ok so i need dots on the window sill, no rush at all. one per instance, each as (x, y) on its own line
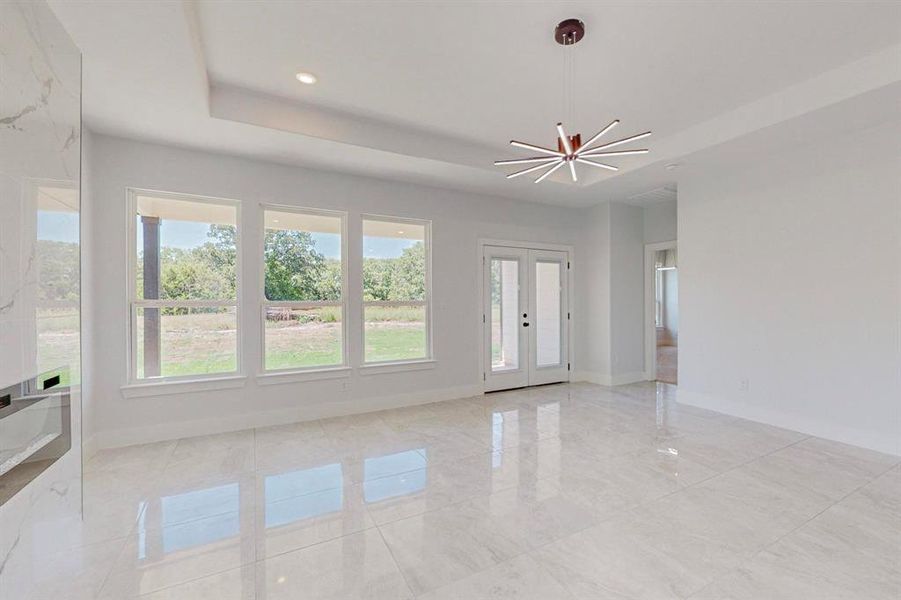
(165, 388)
(279, 377)
(397, 367)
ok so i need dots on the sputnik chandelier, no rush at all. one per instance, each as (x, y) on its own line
(570, 149)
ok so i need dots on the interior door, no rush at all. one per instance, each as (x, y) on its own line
(548, 317)
(526, 317)
(505, 314)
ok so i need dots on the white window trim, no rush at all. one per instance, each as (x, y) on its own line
(272, 376)
(142, 387)
(397, 366)
(372, 367)
(312, 374)
(185, 386)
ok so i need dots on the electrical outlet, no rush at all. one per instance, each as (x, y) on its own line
(744, 385)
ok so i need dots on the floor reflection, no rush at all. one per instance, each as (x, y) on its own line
(303, 494)
(391, 464)
(379, 485)
(304, 481)
(188, 520)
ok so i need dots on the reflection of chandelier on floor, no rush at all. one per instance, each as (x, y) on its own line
(570, 149)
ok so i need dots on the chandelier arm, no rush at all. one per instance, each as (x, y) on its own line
(532, 169)
(549, 171)
(535, 148)
(572, 170)
(597, 164)
(624, 140)
(615, 153)
(522, 161)
(598, 135)
(564, 139)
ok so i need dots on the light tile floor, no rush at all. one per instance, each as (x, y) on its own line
(568, 491)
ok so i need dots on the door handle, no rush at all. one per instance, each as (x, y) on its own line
(525, 324)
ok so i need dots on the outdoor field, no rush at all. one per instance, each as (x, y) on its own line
(203, 343)
(57, 342)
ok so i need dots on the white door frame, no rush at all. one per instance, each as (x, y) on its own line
(650, 298)
(479, 299)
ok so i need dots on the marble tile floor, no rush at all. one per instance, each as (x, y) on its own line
(570, 491)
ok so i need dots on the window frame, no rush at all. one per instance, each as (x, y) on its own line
(426, 224)
(134, 303)
(265, 302)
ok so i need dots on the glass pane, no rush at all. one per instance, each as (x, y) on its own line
(186, 341)
(185, 250)
(302, 256)
(547, 313)
(58, 342)
(394, 263)
(297, 338)
(394, 333)
(56, 257)
(504, 314)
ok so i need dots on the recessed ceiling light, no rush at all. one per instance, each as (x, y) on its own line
(307, 78)
(401, 231)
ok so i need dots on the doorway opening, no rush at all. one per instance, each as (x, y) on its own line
(662, 314)
(525, 316)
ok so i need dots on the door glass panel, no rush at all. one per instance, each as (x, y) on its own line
(504, 314)
(547, 313)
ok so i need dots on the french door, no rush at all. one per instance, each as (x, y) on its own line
(525, 316)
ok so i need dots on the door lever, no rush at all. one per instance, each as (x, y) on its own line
(525, 324)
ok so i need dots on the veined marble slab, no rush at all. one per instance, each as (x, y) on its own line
(40, 157)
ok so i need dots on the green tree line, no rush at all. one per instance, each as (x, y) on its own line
(294, 270)
(57, 270)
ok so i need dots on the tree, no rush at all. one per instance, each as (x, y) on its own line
(295, 270)
(409, 274)
(395, 279)
(218, 252)
(58, 272)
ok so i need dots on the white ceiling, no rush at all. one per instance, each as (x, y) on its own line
(432, 91)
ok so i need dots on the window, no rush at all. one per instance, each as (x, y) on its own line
(184, 286)
(396, 294)
(56, 270)
(303, 289)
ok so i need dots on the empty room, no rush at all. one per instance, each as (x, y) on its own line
(450, 300)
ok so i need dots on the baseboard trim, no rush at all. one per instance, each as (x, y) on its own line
(626, 378)
(591, 377)
(608, 380)
(171, 431)
(830, 431)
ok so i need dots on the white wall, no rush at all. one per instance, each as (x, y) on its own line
(592, 343)
(660, 222)
(626, 293)
(789, 276)
(459, 220)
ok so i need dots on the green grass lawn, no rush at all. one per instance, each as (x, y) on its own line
(58, 343)
(204, 343)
